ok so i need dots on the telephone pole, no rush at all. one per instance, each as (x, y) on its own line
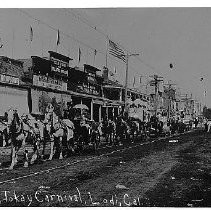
(155, 83)
(169, 88)
(126, 78)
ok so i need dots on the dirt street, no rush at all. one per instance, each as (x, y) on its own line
(170, 172)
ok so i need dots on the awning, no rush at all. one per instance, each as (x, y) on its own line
(98, 102)
(112, 87)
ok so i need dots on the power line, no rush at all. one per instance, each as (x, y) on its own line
(65, 34)
(79, 17)
(72, 37)
(85, 21)
(78, 41)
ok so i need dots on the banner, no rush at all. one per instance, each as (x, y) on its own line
(40, 100)
(43, 81)
(9, 79)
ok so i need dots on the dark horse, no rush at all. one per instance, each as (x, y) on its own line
(122, 130)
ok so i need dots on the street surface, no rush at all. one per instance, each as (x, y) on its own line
(168, 172)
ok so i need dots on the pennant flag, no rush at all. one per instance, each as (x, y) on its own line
(116, 51)
(95, 53)
(58, 38)
(31, 34)
(115, 70)
(79, 55)
(111, 73)
(1, 44)
(134, 81)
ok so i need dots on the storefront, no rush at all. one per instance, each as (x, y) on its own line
(12, 95)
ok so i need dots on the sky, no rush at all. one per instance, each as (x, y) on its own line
(181, 36)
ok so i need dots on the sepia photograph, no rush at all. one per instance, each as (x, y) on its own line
(105, 106)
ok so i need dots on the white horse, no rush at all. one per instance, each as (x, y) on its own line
(209, 126)
(166, 128)
(16, 133)
(57, 129)
(69, 126)
(3, 129)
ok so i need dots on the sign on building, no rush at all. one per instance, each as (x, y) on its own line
(9, 79)
(47, 82)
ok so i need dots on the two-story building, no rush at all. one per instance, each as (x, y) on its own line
(13, 92)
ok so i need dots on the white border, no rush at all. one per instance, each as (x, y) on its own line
(105, 3)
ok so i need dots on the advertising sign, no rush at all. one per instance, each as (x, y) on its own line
(43, 81)
(9, 79)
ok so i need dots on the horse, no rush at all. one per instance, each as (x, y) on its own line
(55, 131)
(109, 129)
(95, 134)
(69, 127)
(134, 128)
(122, 129)
(166, 128)
(16, 133)
(4, 134)
(33, 130)
(207, 126)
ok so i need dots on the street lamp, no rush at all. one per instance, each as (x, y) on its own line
(126, 76)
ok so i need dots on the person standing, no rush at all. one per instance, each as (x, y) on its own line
(70, 111)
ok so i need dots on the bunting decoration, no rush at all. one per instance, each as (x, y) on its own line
(116, 51)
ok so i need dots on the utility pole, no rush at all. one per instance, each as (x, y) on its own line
(126, 81)
(169, 98)
(155, 83)
(126, 78)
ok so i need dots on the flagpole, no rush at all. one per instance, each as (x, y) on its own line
(79, 55)
(13, 42)
(126, 81)
(95, 52)
(107, 52)
(87, 55)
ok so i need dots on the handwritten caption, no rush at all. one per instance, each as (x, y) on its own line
(85, 199)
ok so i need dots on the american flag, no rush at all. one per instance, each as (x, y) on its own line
(116, 51)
